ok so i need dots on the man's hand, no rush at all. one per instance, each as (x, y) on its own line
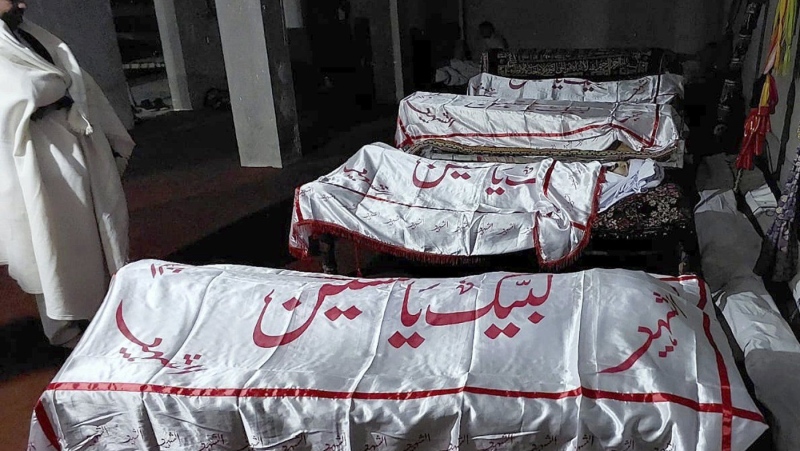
(62, 104)
(40, 113)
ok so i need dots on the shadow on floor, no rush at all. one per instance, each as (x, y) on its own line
(261, 239)
(24, 349)
(185, 139)
(182, 140)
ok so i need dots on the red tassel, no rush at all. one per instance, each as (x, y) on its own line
(756, 128)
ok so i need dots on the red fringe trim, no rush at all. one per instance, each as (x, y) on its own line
(317, 227)
(573, 256)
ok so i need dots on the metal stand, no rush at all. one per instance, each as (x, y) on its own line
(328, 250)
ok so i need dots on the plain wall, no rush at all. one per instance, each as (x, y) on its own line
(438, 21)
(202, 49)
(681, 25)
(87, 26)
(377, 11)
(262, 91)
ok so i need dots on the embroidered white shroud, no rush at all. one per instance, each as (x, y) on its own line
(419, 208)
(232, 358)
(538, 124)
(660, 89)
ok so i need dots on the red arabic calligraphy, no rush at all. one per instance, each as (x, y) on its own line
(187, 366)
(464, 226)
(440, 226)
(327, 290)
(494, 446)
(508, 181)
(505, 231)
(437, 319)
(427, 184)
(100, 432)
(338, 445)
(587, 440)
(501, 312)
(639, 89)
(172, 437)
(636, 115)
(380, 188)
(517, 84)
(160, 269)
(357, 176)
(413, 446)
(487, 91)
(380, 442)
(457, 446)
(132, 439)
(213, 441)
(551, 440)
(662, 325)
(553, 109)
(483, 229)
(587, 85)
(428, 115)
(298, 443)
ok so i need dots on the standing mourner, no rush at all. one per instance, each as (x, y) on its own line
(63, 215)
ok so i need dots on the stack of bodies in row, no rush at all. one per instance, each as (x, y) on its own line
(512, 166)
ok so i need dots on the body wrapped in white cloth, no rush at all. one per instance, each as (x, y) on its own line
(659, 89)
(652, 130)
(232, 358)
(441, 211)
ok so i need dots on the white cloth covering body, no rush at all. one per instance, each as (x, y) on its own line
(457, 73)
(231, 358)
(427, 209)
(642, 175)
(730, 248)
(538, 124)
(660, 89)
(63, 215)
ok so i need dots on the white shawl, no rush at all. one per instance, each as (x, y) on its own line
(63, 215)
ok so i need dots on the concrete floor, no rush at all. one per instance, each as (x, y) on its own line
(183, 184)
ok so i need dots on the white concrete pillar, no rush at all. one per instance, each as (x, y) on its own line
(173, 54)
(293, 13)
(462, 13)
(397, 57)
(258, 66)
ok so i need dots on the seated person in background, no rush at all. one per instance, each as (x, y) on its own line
(489, 40)
(459, 70)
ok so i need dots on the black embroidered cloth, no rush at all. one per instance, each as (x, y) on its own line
(592, 64)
